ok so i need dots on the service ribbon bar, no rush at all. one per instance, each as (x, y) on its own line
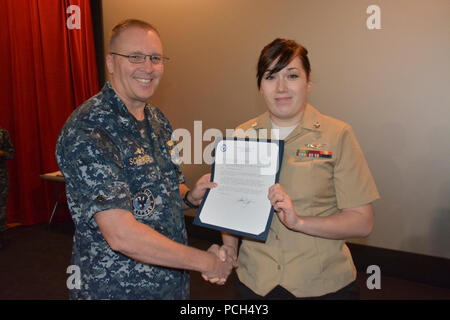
(314, 153)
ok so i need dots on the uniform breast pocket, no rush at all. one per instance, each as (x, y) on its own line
(322, 186)
(296, 179)
(322, 169)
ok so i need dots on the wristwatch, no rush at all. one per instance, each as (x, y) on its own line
(187, 202)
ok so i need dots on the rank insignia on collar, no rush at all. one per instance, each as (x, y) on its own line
(314, 153)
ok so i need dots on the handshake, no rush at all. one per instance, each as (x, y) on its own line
(225, 259)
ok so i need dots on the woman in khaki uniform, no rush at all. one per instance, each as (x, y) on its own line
(324, 195)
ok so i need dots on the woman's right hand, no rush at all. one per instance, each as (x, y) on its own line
(283, 206)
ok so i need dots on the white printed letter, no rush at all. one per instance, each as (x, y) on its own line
(74, 21)
(208, 136)
(374, 281)
(374, 20)
(184, 145)
(74, 280)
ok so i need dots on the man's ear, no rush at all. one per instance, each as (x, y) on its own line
(109, 63)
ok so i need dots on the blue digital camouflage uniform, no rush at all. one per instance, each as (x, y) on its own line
(8, 150)
(107, 163)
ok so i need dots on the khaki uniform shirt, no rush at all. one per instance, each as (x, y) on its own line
(318, 186)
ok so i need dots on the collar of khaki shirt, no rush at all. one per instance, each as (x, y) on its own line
(310, 121)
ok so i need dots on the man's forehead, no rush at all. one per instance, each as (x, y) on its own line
(137, 38)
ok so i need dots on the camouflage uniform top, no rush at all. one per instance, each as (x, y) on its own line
(108, 163)
(8, 153)
(8, 149)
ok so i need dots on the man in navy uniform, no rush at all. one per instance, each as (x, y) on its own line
(124, 192)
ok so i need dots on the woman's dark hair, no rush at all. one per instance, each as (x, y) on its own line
(285, 51)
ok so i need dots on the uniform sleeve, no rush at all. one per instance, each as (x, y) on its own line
(94, 175)
(354, 183)
(6, 146)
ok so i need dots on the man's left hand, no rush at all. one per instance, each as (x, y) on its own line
(195, 196)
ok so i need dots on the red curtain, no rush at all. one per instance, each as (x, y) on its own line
(48, 70)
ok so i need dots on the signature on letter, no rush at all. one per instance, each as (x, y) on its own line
(244, 201)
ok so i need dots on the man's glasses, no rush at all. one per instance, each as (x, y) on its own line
(140, 58)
